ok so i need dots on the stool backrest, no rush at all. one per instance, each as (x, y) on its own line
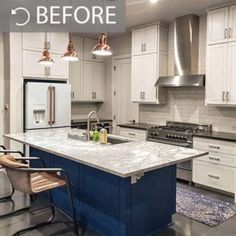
(17, 173)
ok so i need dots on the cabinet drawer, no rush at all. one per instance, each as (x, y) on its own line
(133, 133)
(219, 158)
(216, 146)
(213, 175)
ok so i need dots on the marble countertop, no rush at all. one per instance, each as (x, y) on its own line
(124, 160)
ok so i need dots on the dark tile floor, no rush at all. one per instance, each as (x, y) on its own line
(182, 226)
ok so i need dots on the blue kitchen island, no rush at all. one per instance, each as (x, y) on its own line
(128, 189)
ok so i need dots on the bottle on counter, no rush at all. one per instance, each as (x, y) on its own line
(103, 135)
(96, 135)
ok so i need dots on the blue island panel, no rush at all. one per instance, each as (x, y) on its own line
(111, 204)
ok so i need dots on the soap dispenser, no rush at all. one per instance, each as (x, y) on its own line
(103, 135)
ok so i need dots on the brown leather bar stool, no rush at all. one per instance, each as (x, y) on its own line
(37, 180)
(8, 198)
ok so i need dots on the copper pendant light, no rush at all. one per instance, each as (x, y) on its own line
(71, 54)
(102, 49)
(46, 59)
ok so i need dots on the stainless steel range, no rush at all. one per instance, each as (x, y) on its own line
(179, 134)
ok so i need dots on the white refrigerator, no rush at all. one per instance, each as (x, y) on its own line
(47, 105)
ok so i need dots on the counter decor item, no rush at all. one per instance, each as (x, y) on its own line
(96, 135)
(103, 135)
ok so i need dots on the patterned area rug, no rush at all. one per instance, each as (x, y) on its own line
(203, 208)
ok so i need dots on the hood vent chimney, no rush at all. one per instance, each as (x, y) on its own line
(186, 54)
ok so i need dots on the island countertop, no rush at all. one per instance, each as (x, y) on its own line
(124, 160)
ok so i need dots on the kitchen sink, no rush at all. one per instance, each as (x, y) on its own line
(111, 139)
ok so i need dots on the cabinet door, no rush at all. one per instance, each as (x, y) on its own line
(31, 67)
(150, 39)
(216, 74)
(218, 21)
(99, 81)
(231, 91)
(58, 42)
(232, 23)
(137, 42)
(89, 44)
(76, 80)
(151, 74)
(138, 78)
(79, 46)
(88, 81)
(33, 41)
(60, 69)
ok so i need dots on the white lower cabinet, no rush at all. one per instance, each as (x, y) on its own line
(217, 169)
(133, 133)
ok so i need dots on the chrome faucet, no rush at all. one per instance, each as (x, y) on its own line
(92, 113)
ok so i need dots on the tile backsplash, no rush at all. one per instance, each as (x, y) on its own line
(188, 104)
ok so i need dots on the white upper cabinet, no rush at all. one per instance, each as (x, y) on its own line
(218, 21)
(137, 41)
(232, 23)
(58, 42)
(33, 41)
(221, 25)
(144, 40)
(60, 69)
(221, 56)
(150, 39)
(89, 44)
(137, 82)
(76, 80)
(231, 69)
(94, 82)
(88, 81)
(148, 63)
(31, 67)
(79, 46)
(99, 81)
(216, 74)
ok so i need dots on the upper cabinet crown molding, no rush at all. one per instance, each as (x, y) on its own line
(149, 61)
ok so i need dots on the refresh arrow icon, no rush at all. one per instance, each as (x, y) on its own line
(14, 12)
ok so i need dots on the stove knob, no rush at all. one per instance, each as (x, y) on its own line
(175, 136)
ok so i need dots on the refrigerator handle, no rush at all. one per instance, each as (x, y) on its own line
(50, 105)
(53, 104)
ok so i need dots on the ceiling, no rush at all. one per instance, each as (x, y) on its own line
(142, 11)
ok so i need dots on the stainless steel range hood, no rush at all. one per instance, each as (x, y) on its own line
(186, 52)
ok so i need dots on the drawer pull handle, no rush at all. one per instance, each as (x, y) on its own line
(214, 146)
(132, 134)
(214, 158)
(213, 176)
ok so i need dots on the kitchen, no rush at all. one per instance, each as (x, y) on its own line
(184, 109)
